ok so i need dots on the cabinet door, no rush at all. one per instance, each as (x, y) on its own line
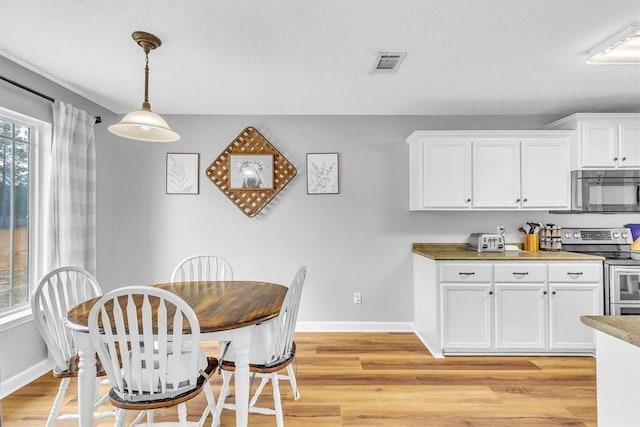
(467, 314)
(567, 302)
(446, 174)
(598, 145)
(629, 145)
(496, 174)
(545, 175)
(520, 316)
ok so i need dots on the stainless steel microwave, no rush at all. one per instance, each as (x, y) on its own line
(613, 190)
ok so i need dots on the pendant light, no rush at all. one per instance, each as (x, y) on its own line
(144, 124)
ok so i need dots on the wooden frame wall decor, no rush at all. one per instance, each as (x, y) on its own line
(253, 197)
(323, 173)
(183, 173)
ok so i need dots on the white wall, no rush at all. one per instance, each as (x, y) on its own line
(359, 240)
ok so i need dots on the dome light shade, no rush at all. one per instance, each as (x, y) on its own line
(144, 125)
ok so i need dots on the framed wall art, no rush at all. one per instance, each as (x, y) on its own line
(322, 173)
(251, 171)
(182, 173)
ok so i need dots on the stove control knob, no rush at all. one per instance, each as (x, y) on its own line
(567, 235)
(576, 235)
(625, 235)
(616, 235)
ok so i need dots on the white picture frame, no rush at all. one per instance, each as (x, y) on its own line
(183, 173)
(251, 171)
(323, 174)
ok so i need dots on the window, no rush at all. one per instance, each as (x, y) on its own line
(18, 204)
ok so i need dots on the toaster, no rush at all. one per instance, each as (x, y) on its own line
(485, 242)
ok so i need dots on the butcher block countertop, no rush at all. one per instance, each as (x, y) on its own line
(625, 328)
(460, 252)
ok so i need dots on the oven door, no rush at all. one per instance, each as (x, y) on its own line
(624, 284)
(625, 310)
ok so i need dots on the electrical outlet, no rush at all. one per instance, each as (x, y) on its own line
(357, 298)
(500, 229)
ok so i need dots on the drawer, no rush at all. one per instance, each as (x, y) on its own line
(575, 272)
(523, 272)
(466, 272)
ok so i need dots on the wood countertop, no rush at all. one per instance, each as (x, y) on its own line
(625, 328)
(460, 252)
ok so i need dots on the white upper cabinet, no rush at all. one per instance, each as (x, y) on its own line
(496, 174)
(603, 141)
(489, 170)
(449, 160)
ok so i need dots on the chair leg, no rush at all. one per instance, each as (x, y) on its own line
(224, 390)
(120, 415)
(57, 402)
(182, 414)
(211, 406)
(276, 399)
(256, 395)
(293, 382)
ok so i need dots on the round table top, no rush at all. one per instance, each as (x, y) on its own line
(218, 305)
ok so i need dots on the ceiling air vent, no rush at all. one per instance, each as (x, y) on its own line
(388, 62)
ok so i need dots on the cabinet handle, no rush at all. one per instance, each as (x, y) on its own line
(624, 159)
(517, 200)
(615, 159)
(468, 200)
(544, 292)
(490, 292)
(553, 292)
(525, 199)
(462, 273)
(524, 273)
(577, 273)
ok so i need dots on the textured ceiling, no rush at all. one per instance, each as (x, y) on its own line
(316, 56)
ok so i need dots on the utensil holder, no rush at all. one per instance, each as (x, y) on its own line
(531, 242)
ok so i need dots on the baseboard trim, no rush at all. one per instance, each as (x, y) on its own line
(20, 380)
(354, 327)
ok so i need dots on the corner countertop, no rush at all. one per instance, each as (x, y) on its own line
(460, 252)
(625, 328)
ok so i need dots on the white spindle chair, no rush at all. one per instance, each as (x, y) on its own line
(202, 267)
(272, 349)
(58, 292)
(149, 342)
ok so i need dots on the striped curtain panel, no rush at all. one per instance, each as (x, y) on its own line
(70, 193)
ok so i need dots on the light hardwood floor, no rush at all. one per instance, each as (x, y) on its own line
(389, 379)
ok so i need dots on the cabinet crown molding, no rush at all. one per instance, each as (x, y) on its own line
(475, 135)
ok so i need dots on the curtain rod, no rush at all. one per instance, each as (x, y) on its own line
(35, 92)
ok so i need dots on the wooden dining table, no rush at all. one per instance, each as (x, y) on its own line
(226, 311)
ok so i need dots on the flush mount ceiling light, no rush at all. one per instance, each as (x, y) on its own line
(144, 124)
(623, 48)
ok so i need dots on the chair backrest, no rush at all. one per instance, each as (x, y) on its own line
(58, 292)
(286, 320)
(148, 340)
(202, 267)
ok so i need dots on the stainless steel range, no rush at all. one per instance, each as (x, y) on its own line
(621, 271)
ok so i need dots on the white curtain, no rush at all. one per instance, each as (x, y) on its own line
(70, 191)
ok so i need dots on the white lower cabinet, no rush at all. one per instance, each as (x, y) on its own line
(467, 311)
(506, 307)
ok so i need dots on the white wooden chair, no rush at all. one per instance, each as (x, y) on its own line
(58, 292)
(272, 349)
(141, 334)
(202, 267)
